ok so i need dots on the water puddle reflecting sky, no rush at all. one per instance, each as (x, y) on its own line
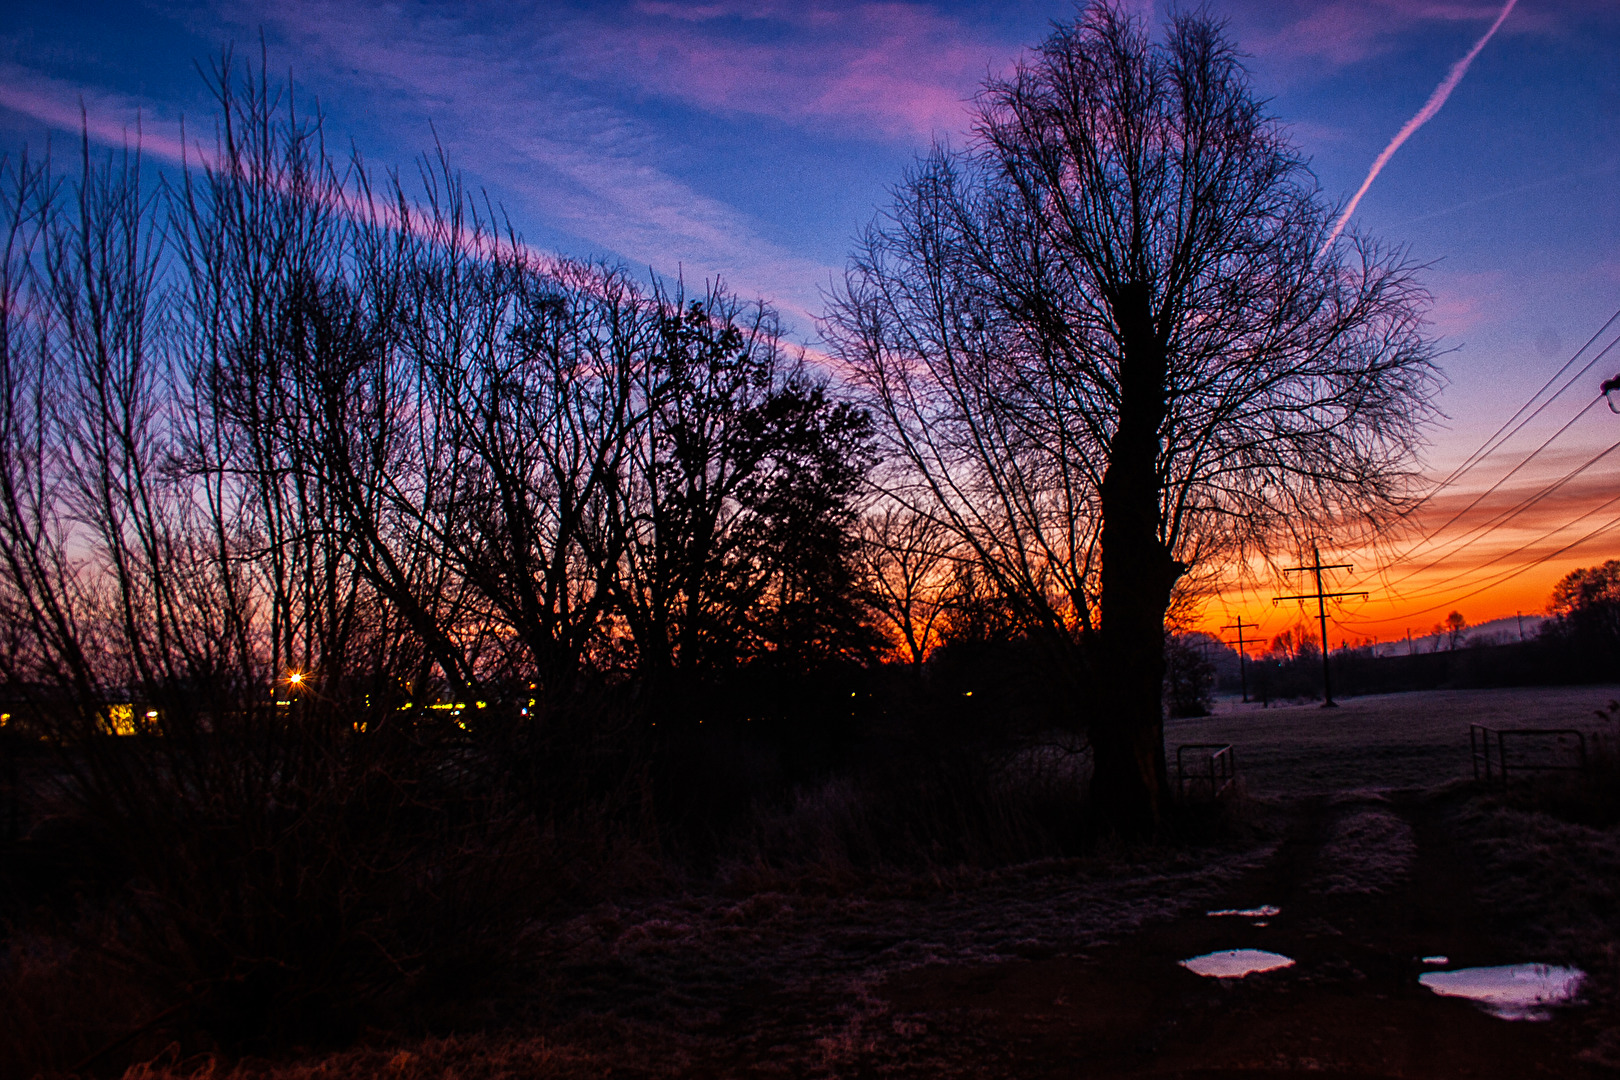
(1512, 991)
(1236, 963)
(1264, 911)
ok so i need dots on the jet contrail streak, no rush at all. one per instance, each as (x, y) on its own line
(1430, 107)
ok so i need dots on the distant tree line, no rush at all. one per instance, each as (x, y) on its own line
(1579, 642)
(271, 418)
(346, 544)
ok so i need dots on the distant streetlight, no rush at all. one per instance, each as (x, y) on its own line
(1611, 390)
(296, 678)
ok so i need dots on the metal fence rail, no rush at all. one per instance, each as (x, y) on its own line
(1212, 765)
(1524, 750)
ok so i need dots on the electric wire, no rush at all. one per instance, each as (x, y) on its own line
(1498, 439)
(1511, 574)
(1516, 571)
(1447, 583)
(1506, 431)
(1487, 448)
(1502, 517)
(1431, 536)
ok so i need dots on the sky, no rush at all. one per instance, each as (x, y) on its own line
(751, 140)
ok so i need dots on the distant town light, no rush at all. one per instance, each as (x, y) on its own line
(296, 678)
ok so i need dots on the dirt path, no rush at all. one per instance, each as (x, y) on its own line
(1367, 886)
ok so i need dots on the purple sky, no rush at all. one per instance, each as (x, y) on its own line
(752, 140)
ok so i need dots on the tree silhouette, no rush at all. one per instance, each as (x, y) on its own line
(1111, 347)
(1455, 629)
(1587, 601)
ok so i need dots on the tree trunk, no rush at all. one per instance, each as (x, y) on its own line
(1129, 782)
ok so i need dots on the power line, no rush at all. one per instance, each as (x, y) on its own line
(1511, 472)
(1511, 574)
(1433, 534)
(1497, 439)
(1504, 516)
(1507, 515)
(1441, 586)
(1486, 448)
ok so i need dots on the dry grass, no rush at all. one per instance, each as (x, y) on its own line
(466, 1058)
(773, 965)
(46, 981)
(1553, 887)
(1371, 848)
(781, 983)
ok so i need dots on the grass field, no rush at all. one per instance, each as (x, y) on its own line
(1413, 740)
(1360, 822)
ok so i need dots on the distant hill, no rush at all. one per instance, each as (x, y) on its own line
(1497, 631)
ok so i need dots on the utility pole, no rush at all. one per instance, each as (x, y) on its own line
(1321, 599)
(1243, 659)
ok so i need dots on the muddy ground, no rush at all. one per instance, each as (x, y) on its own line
(1361, 824)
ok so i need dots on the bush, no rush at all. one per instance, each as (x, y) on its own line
(1189, 678)
(283, 877)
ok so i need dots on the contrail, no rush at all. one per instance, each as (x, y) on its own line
(1430, 107)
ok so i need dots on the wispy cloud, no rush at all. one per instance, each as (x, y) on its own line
(108, 118)
(877, 70)
(502, 97)
(1314, 37)
(535, 102)
(1465, 300)
(1517, 189)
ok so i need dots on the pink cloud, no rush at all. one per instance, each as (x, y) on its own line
(675, 9)
(587, 167)
(1465, 302)
(109, 119)
(1339, 33)
(896, 71)
(112, 120)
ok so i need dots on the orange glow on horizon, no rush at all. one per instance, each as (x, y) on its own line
(1486, 554)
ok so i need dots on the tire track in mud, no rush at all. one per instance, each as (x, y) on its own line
(1368, 882)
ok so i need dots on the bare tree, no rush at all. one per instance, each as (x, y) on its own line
(684, 577)
(175, 567)
(735, 504)
(1455, 630)
(908, 558)
(1111, 347)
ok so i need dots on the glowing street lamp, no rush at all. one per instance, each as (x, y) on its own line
(296, 678)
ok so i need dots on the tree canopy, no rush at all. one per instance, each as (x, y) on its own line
(1110, 344)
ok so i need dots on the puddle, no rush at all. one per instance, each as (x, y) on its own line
(1236, 963)
(1512, 991)
(1264, 911)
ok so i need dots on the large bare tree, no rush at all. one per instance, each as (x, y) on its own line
(1110, 344)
